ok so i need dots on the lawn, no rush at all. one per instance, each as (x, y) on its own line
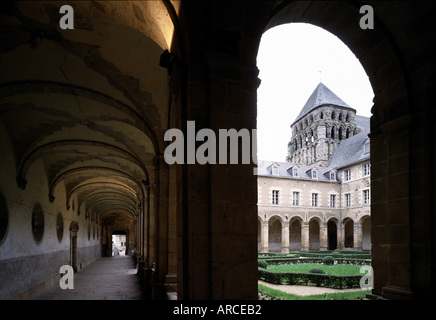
(269, 293)
(337, 269)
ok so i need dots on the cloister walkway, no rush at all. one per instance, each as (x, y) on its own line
(108, 278)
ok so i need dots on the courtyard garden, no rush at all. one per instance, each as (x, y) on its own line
(325, 269)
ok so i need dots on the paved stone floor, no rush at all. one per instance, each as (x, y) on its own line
(108, 278)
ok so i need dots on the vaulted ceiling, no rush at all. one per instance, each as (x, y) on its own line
(91, 102)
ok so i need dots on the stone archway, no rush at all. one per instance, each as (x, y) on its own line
(348, 231)
(314, 235)
(295, 226)
(274, 235)
(332, 235)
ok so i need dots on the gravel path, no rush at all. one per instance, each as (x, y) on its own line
(304, 290)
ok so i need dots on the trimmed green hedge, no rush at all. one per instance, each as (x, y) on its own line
(320, 280)
(337, 254)
(285, 260)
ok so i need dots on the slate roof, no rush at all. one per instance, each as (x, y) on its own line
(319, 97)
(264, 168)
(351, 150)
(362, 122)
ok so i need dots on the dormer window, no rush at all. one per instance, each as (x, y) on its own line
(314, 174)
(295, 172)
(332, 176)
(275, 170)
(366, 147)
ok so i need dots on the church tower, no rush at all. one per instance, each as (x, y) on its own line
(322, 124)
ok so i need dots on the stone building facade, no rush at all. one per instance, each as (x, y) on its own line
(306, 205)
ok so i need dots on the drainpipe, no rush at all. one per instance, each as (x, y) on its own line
(340, 215)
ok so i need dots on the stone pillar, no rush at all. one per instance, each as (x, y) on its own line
(264, 236)
(285, 237)
(323, 237)
(171, 277)
(149, 227)
(357, 236)
(390, 205)
(218, 202)
(161, 236)
(305, 236)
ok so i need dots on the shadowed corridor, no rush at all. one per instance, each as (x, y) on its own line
(108, 278)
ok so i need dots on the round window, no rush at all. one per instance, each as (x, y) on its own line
(59, 226)
(37, 223)
(4, 218)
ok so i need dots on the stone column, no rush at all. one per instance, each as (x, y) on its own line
(171, 277)
(305, 236)
(264, 237)
(390, 209)
(357, 236)
(218, 202)
(285, 237)
(161, 223)
(323, 238)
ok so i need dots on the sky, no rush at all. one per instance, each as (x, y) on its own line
(292, 60)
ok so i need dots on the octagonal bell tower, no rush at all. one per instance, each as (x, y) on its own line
(322, 124)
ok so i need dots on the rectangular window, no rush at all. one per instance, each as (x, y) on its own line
(347, 199)
(332, 201)
(296, 198)
(314, 174)
(366, 196)
(366, 169)
(275, 197)
(314, 199)
(347, 175)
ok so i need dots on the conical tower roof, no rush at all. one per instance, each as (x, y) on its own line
(319, 97)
